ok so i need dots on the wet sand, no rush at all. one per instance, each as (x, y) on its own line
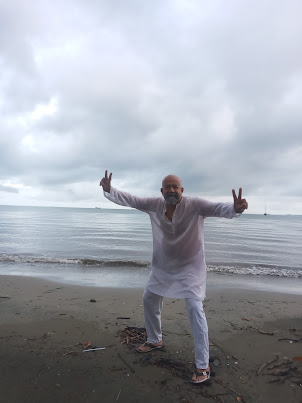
(44, 326)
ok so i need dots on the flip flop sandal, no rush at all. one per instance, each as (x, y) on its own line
(204, 373)
(151, 347)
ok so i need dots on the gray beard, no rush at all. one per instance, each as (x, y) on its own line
(172, 200)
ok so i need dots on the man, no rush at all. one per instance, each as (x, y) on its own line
(178, 262)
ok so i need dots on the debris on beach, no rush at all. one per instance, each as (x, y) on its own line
(93, 300)
(282, 369)
(291, 340)
(266, 364)
(132, 335)
(262, 331)
(94, 349)
(292, 329)
(118, 395)
(86, 344)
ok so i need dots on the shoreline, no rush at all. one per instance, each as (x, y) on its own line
(137, 278)
(43, 322)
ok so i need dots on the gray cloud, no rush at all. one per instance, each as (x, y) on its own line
(8, 189)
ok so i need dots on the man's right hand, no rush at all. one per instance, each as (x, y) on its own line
(106, 182)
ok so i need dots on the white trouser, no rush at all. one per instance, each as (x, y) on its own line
(153, 304)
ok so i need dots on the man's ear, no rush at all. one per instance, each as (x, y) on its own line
(182, 190)
(161, 189)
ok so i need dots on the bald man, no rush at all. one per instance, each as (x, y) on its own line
(178, 262)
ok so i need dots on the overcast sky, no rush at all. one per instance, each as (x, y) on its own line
(208, 90)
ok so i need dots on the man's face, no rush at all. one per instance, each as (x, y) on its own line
(172, 189)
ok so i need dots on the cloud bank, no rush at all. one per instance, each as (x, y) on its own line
(206, 90)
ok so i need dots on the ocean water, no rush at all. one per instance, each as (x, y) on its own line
(110, 247)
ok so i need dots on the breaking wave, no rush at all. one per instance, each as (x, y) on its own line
(239, 269)
(257, 270)
(73, 261)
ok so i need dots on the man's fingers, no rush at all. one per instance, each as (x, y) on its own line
(234, 195)
(240, 193)
(105, 182)
(245, 204)
(106, 175)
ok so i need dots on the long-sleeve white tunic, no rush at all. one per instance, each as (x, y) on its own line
(178, 263)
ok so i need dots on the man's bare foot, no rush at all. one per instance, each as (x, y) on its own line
(204, 375)
(146, 347)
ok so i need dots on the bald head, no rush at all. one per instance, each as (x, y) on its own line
(172, 189)
(171, 178)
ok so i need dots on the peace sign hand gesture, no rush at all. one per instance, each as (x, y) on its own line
(239, 204)
(106, 182)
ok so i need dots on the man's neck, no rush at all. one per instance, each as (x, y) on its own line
(170, 208)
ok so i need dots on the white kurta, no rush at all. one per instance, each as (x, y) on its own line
(178, 263)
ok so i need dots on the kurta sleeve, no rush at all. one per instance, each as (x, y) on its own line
(128, 200)
(211, 209)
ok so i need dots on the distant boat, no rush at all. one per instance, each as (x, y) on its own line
(98, 207)
(265, 211)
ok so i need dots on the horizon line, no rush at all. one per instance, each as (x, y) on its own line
(125, 208)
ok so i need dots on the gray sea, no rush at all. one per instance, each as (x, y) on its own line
(113, 248)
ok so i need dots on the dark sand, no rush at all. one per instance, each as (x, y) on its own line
(43, 322)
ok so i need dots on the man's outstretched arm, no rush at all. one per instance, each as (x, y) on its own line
(126, 199)
(227, 210)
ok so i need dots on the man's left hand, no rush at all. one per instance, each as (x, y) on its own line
(239, 204)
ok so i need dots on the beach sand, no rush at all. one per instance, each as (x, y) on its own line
(44, 325)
